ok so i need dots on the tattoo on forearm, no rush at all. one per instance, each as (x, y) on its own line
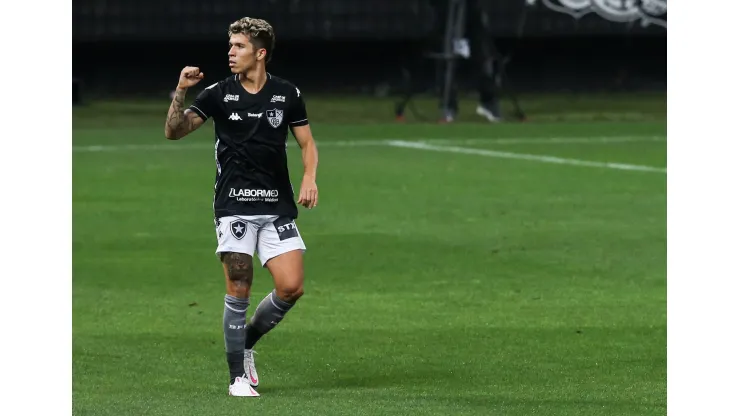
(177, 121)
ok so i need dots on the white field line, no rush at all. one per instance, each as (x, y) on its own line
(522, 156)
(362, 142)
(550, 140)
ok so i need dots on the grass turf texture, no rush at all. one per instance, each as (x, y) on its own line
(436, 283)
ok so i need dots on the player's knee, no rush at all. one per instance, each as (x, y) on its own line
(290, 293)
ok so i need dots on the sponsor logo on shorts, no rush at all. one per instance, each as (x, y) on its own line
(254, 195)
(286, 228)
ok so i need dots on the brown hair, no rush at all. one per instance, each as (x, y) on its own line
(258, 31)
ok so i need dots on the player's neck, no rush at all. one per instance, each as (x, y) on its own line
(253, 80)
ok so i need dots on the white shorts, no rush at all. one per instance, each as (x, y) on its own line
(269, 235)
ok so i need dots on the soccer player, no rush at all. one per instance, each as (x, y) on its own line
(253, 200)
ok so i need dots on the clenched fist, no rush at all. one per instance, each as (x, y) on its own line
(189, 76)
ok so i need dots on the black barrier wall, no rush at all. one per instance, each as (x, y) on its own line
(138, 47)
(177, 20)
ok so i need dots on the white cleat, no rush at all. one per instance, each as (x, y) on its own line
(251, 370)
(484, 112)
(241, 388)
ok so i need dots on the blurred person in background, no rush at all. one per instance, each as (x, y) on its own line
(477, 43)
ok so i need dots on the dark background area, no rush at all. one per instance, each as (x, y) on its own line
(137, 48)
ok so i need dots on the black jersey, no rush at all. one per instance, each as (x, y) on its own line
(251, 145)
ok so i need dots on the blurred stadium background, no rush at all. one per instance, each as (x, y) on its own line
(462, 268)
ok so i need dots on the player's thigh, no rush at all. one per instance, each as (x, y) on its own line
(280, 249)
(237, 240)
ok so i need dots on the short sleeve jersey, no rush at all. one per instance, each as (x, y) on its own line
(251, 145)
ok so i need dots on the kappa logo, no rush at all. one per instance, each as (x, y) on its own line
(234, 117)
(278, 98)
(238, 229)
(218, 229)
(275, 117)
(646, 11)
(231, 97)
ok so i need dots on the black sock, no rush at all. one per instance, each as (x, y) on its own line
(253, 335)
(236, 365)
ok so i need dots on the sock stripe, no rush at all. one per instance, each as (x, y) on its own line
(234, 309)
(275, 304)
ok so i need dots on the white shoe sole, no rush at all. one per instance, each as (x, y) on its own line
(249, 393)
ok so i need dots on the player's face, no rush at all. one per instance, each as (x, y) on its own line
(242, 54)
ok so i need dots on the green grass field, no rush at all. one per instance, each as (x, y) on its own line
(437, 283)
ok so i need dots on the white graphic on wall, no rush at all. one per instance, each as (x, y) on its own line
(647, 12)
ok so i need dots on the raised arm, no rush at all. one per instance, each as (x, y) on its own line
(181, 122)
